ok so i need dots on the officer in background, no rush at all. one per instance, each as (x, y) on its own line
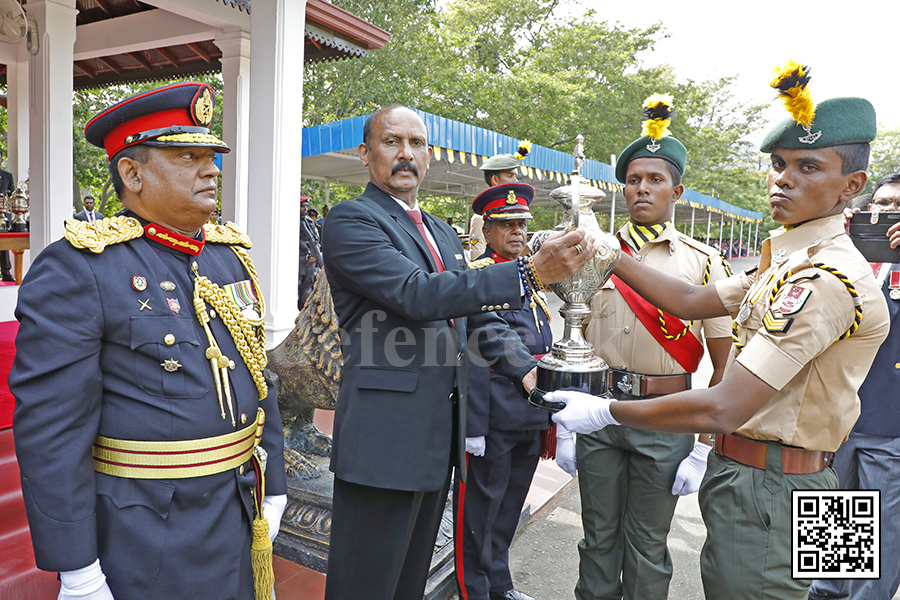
(503, 433)
(88, 214)
(7, 187)
(498, 169)
(631, 478)
(143, 432)
(310, 253)
(808, 323)
(870, 458)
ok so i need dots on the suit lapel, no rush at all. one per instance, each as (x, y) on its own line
(402, 219)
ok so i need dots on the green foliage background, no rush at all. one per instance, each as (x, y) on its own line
(526, 69)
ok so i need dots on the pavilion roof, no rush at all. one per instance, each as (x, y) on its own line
(331, 33)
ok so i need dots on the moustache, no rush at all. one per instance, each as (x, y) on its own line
(405, 165)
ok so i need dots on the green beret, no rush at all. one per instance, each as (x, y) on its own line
(837, 121)
(668, 149)
(500, 162)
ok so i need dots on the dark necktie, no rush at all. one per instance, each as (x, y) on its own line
(416, 216)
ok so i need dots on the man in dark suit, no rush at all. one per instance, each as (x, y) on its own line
(7, 187)
(402, 293)
(88, 214)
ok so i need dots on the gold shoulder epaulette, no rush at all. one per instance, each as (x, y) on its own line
(226, 234)
(98, 235)
(481, 263)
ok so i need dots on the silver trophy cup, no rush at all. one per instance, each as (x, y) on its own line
(571, 364)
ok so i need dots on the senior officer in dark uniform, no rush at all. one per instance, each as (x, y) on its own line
(498, 169)
(808, 324)
(503, 434)
(142, 430)
(407, 307)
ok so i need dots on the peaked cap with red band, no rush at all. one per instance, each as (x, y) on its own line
(505, 201)
(173, 115)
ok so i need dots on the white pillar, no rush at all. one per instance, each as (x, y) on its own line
(756, 238)
(235, 46)
(721, 230)
(708, 225)
(693, 211)
(50, 113)
(741, 235)
(749, 233)
(17, 120)
(276, 120)
(731, 239)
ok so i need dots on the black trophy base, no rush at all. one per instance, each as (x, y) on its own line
(19, 227)
(594, 380)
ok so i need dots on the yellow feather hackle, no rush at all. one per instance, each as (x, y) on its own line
(657, 116)
(524, 149)
(791, 81)
(657, 100)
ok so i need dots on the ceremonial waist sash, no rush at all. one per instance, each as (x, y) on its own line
(686, 349)
(179, 459)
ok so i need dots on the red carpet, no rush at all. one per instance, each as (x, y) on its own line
(8, 331)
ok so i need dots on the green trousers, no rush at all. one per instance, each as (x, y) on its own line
(747, 511)
(626, 476)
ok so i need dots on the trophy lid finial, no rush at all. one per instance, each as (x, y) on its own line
(578, 153)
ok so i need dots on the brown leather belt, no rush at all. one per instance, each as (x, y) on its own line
(637, 384)
(794, 461)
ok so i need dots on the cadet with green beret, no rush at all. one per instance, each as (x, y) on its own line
(808, 323)
(498, 169)
(630, 478)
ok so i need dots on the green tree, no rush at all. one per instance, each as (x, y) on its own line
(519, 67)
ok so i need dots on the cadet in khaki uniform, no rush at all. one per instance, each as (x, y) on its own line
(631, 478)
(498, 169)
(808, 323)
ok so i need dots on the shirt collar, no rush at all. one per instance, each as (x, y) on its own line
(406, 206)
(787, 241)
(171, 239)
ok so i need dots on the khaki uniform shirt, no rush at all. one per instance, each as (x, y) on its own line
(616, 333)
(790, 341)
(477, 244)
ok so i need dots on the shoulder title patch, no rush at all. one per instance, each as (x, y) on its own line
(481, 263)
(229, 233)
(98, 235)
(792, 300)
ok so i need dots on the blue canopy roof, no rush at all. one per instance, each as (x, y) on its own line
(329, 153)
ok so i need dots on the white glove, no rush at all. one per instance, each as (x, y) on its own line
(565, 450)
(273, 508)
(87, 583)
(583, 413)
(691, 470)
(475, 445)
